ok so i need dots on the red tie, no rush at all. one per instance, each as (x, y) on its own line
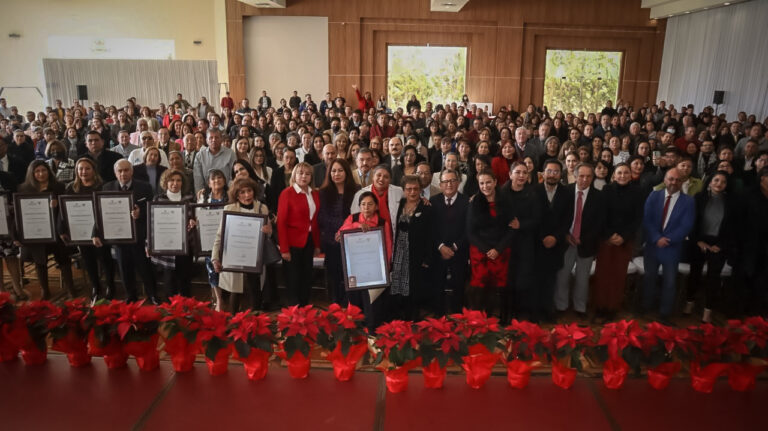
(577, 220)
(664, 214)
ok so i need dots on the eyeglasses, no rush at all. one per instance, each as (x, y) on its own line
(453, 181)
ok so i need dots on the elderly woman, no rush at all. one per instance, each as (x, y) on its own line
(215, 192)
(242, 197)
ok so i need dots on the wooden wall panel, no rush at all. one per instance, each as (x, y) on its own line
(506, 41)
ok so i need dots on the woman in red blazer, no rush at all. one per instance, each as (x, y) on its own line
(298, 233)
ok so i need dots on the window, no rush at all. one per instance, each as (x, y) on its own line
(580, 80)
(436, 74)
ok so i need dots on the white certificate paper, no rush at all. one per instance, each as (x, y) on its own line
(80, 219)
(168, 224)
(4, 215)
(242, 241)
(36, 218)
(365, 259)
(208, 223)
(116, 217)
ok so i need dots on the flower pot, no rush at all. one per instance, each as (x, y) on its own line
(660, 376)
(478, 365)
(396, 379)
(741, 377)
(615, 372)
(562, 375)
(34, 356)
(434, 375)
(116, 360)
(8, 350)
(113, 353)
(256, 363)
(298, 365)
(703, 378)
(145, 352)
(344, 366)
(75, 347)
(519, 373)
(218, 365)
(182, 353)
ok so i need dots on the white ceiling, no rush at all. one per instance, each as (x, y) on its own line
(668, 8)
(447, 5)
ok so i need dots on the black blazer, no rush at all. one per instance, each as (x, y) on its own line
(554, 215)
(106, 164)
(419, 236)
(142, 194)
(726, 238)
(486, 232)
(592, 219)
(17, 168)
(140, 173)
(318, 174)
(449, 225)
(625, 210)
(524, 206)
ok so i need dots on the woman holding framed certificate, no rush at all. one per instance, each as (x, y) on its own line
(242, 195)
(215, 192)
(87, 181)
(40, 179)
(177, 269)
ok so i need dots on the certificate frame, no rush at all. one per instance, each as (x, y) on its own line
(151, 246)
(4, 206)
(194, 208)
(98, 198)
(63, 200)
(17, 199)
(228, 219)
(348, 252)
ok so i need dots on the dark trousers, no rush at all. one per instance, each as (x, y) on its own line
(252, 286)
(177, 280)
(298, 273)
(334, 276)
(548, 263)
(375, 314)
(270, 297)
(132, 259)
(668, 283)
(482, 298)
(518, 299)
(91, 257)
(715, 263)
(449, 275)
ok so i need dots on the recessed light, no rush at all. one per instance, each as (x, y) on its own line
(669, 16)
(726, 4)
(687, 11)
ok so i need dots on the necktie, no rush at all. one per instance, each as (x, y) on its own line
(577, 220)
(664, 213)
(450, 201)
(125, 188)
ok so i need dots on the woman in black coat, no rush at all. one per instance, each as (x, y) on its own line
(712, 241)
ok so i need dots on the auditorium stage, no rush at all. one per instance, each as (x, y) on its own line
(55, 396)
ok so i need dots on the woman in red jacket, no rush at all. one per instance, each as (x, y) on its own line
(298, 233)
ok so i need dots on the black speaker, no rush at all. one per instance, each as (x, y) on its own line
(82, 92)
(719, 96)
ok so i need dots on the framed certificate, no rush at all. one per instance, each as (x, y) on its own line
(5, 223)
(242, 242)
(79, 218)
(364, 258)
(113, 212)
(167, 228)
(208, 222)
(34, 218)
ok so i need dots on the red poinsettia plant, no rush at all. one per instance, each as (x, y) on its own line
(621, 340)
(298, 328)
(710, 343)
(104, 319)
(33, 321)
(138, 321)
(662, 344)
(73, 324)
(214, 332)
(440, 341)
(342, 326)
(749, 337)
(183, 316)
(526, 341)
(475, 327)
(398, 344)
(7, 309)
(252, 330)
(568, 341)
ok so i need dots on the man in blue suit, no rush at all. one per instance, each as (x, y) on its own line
(668, 218)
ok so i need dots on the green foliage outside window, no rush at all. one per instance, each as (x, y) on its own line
(435, 74)
(580, 80)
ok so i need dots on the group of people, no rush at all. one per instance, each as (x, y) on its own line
(511, 213)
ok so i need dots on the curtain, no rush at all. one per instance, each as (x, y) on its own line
(719, 49)
(112, 82)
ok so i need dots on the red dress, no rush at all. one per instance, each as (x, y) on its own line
(487, 272)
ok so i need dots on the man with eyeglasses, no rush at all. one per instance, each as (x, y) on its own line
(425, 180)
(137, 156)
(449, 242)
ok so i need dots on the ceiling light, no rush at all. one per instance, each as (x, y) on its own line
(669, 16)
(726, 4)
(687, 11)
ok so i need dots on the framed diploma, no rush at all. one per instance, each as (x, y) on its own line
(113, 212)
(208, 222)
(167, 228)
(34, 218)
(364, 258)
(242, 242)
(5, 224)
(79, 218)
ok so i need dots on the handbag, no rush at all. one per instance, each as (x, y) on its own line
(271, 252)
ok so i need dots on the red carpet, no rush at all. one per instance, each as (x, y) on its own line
(56, 397)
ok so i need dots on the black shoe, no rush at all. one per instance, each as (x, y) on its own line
(664, 320)
(153, 300)
(109, 293)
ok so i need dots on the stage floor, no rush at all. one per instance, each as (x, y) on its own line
(55, 396)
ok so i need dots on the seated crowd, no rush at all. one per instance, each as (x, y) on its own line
(522, 209)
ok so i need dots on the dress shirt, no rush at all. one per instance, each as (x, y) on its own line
(310, 202)
(672, 203)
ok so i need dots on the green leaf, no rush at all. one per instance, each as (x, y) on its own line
(213, 346)
(242, 348)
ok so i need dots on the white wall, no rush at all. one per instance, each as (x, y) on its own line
(283, 54)
(180, 21)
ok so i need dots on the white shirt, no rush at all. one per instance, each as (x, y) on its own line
(583, 202)
(310, 202)
(137, 157)
(4, 164)
(301, 153)
(685, 187)
(672, 203)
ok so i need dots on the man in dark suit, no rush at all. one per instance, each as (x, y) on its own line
(437, 161)
(132, 258)
(586, 213)
(395, 151)
(554, 202)
(11, 164)
(449, 242)
(668, 218)
(105, 159)
(319, 170)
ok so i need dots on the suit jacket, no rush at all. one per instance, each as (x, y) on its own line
(592, 219)
(449, 226)
(359, 181)
(106, 164)
(419, 235)
(293, 222)
(555, 217)
(679, 225)
(140, 173)
(17, 168)
(142, 194)
(318, 174)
